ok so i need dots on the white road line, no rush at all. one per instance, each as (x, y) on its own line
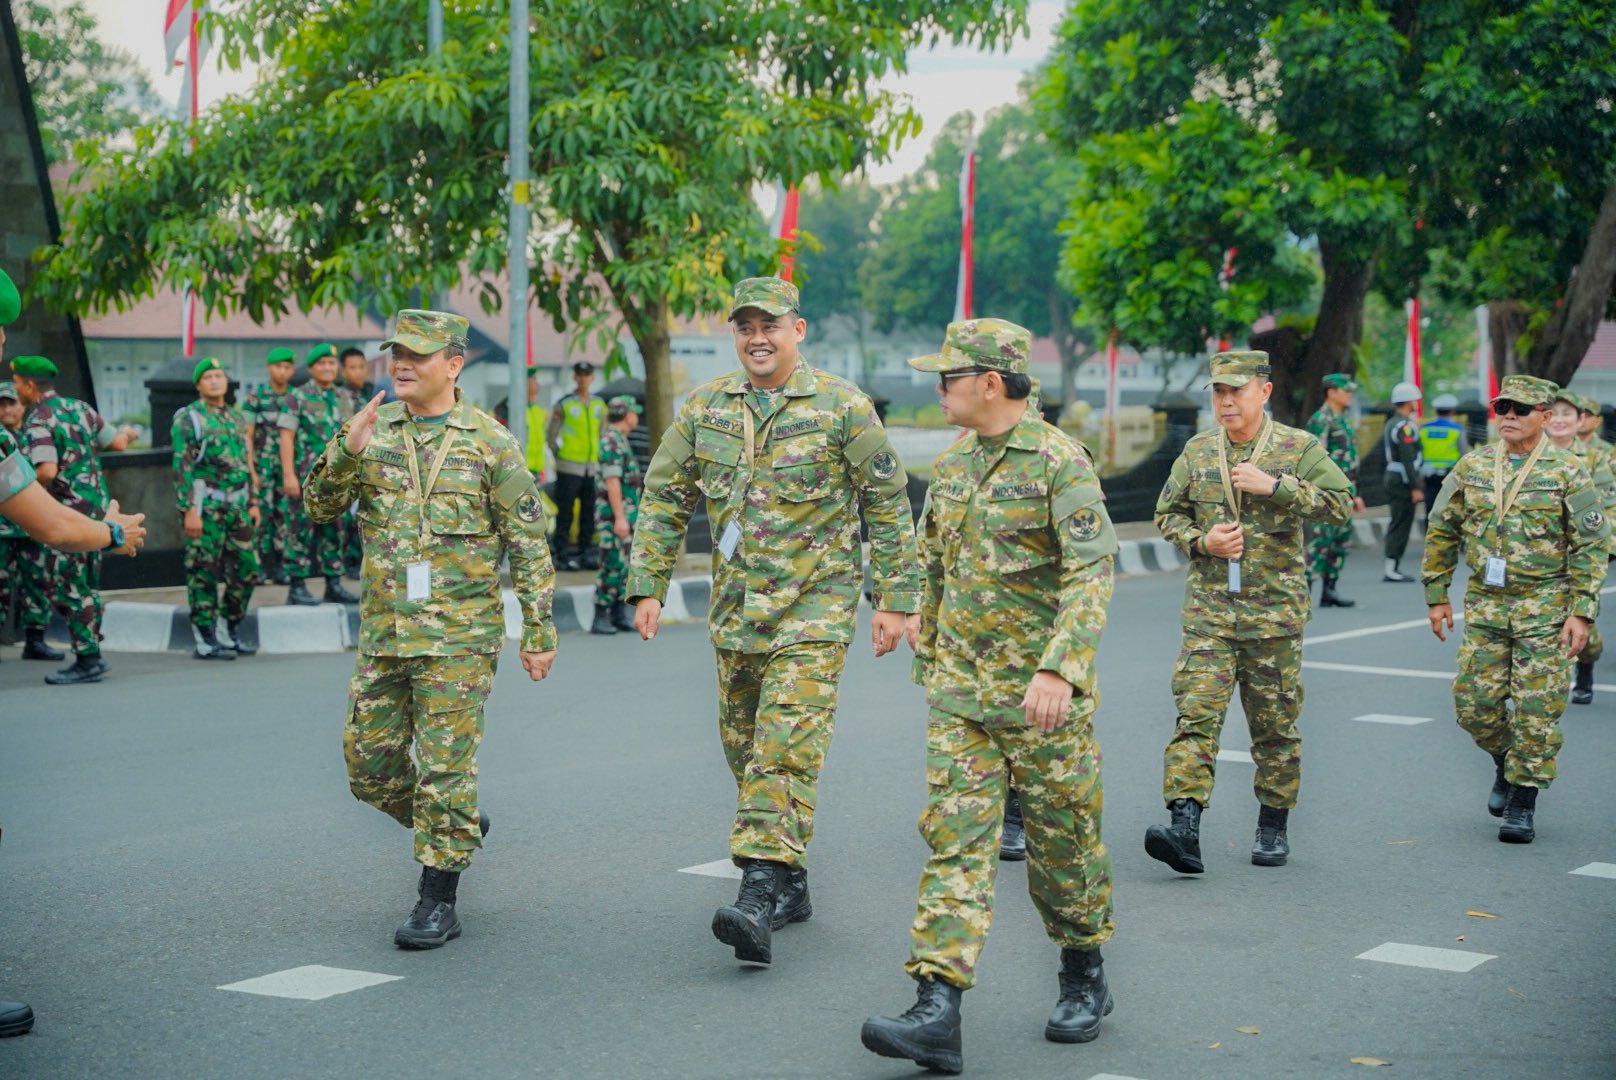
(1112, 1076)
(1235, 755)
(1409, 624)
(1365, 669)
(1597, 869)
(1426, 957)
(1390, 718)
(717, 868)
(315, 982)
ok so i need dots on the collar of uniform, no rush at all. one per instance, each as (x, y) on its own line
(801, 384)
(1024, 436)
(396, 412)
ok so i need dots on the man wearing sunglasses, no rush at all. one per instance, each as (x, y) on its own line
(1534, 534)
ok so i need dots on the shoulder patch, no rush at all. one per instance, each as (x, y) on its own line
(529, 509)
(1084, 525)
(884, 465)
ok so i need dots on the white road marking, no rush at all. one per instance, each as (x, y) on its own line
(1426, 957)
(1370, 631)
(315, 982)
(717, 868)
(1365, 669)
(1112, 1076)
(1390, 718)
(1235, 755)
(1597, 869)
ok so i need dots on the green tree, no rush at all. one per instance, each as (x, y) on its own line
(837, 236)
(82, 87)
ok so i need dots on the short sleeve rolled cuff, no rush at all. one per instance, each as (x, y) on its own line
(15, 475)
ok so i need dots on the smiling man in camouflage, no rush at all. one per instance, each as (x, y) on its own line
(786, 457)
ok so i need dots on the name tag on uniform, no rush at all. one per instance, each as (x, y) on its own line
(418, 581)
(730, 540)
(1495, 572)
(1234, 575)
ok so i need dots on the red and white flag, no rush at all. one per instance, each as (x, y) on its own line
(963, 297)
(1411, 348)
(783, 227)
(1486, 376)
(179, 34)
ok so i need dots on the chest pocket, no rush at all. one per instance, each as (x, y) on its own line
(805, 467)
(382, 489)
(1019, 533)
(1538, 511)
(456, 507)
(718, 456)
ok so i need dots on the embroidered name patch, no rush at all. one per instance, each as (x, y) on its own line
(1016, 491)
(795, 427)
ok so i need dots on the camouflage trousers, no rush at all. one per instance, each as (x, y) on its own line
(1595, 648)
(776, 712)
(435, 704)
(1269, 674)
(1526, 667)
(274, 517)
(968, 768)
(22, 579)
(73, 583)
(313, 549)
(1327, 550)
(614, 552)
(223, 555)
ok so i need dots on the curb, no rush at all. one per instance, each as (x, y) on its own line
(1154, 555)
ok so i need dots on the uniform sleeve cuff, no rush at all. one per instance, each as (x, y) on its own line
(540, 638)
(1286, 493)
(1586, 606)
(907, 603)
(643, 587)
(1436, 594)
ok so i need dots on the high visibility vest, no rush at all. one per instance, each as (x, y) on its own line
(581, 426)
(1439, 444)
(537, 418)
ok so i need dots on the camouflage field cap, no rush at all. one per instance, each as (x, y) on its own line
(991, 344)
(10, 301)
(8, 391)
(623, 403)
(427, 332)
(281, 356)
(1528, 390)
(1238, 368)
(1339, 381)
(772, 295)
(320, 352)
(205, 365)
(1588, 405)
(33, 367)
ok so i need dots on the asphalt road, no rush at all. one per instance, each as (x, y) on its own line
(186, 826)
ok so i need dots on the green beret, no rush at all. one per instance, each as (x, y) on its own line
(205, 365)
(320, 352)
(281, 356)
(1338, 381)
(10, 302)
(33, 367)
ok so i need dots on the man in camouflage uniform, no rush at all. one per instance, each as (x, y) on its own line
(443, 492)
(1018, 554)
(314, 549)
(62, 437)
(617, 507)
(1235, 503)
(1535, 539)
(264, 407)
(356, 388)
(213, 487)
(786, 457)
(1599, 458)
(1328, 548)
(21, 559)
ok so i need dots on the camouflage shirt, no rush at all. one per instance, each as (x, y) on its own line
(210, 451)
(315, 415)
(1017, 548)
(820, 457)
(483, 506)
(1336, 435)
(264, 409)
(1273, 600)
(15, 474)
(1552, 541)
(617, 458)
(67, 433)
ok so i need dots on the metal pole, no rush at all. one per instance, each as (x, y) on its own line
(519, 221)
(434, 27)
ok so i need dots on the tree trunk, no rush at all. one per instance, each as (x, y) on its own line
(649, 325)
(1060, 328)
(1506, 322)
(1336, 333)
(1559, 349)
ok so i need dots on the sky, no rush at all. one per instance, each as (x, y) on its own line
(939, 82)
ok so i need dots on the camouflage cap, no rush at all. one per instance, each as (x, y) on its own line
(205, 365)
(1528, 390)
(1239, 368)
(427, 332)
(10, 301)
(624, 403)
(992, 344)
(281, 356)
(8, 391)
(772, 295)
(1588, 405)
(320, 352)
(1339, 381)
(33, 367)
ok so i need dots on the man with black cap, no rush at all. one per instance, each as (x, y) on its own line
(574, 435)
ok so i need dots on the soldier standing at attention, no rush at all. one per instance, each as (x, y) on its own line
(1400, 439)
(22, 562)
(314, 548)
(786, 457)
(1443, 442)
(1017, 549)
(574, 435)
(264, 407)
(617, 507)
(62, 438)
(213, 485)
(1328, 548)
(1234, 503)
(443, 492)
(1534, 538)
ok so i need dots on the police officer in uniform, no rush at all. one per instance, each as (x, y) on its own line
(1443, 442)
(1400, 440)
(574, 432)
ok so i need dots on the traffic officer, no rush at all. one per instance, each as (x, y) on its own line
(1534, 536)
(574, 436)
(1400, 441)
(316, 413)
(443, 493)
(263, 408)
(1018, 555)
(1443, 441)
(219, 508)
(1234, 503)
(786, 456)
(22, 573)
(1328, 547)
(617, 507)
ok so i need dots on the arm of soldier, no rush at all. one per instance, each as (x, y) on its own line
(930, 546)
(1088, 545)
(1319, 491)
(40, 448)
(1588, 540)
(252, 459)
(882, 486)
(286, 430)
(520, 521)
(1442, 539)
(183, 438)
(333, 483)
(666, 504)
(1175, 514)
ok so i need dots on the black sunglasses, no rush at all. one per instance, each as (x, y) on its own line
(960, 373)
(1513, 408)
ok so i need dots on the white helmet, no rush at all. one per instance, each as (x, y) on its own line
(1405, 392)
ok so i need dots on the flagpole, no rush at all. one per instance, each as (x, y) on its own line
(519, 220)
(1111, 401)
(964, 300)
(192, 63)
(1411, 350)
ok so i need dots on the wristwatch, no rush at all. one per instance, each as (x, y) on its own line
(1278, 480)
(118, 539)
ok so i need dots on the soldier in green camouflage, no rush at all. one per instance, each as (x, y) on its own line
(1599, 458)
(213, 487)
(617, 507)
(314, 549)
(1235, 503)
(1018, 555)
(21, 559)
(1328, 547)
(443, 492)
(1535, 536)
(786, 457)
(264, 407)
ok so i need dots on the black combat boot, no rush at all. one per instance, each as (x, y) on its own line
(1084, 998)
(792, 903)
(745, 924)
(623, 617)
(433, 923)
(589, 559)
(1517, 827)
(1328, 597)
(234, 638)
(1582, 693)
(603, 623)
(1179, 844)
(15, 1019)
(299, 594)
(1013, 841)
(336, 594)
(1499, 795)
(928, 1034)
(1271, 847)
(208, 645)
(34, 647)
(83, 669)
